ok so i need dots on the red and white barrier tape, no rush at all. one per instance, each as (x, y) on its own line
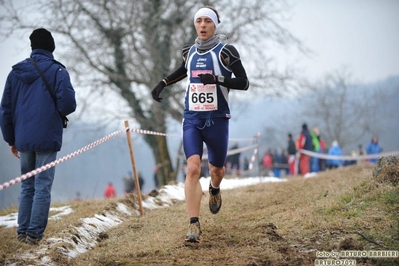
(60, 160)
(148, 132)
(243, 139)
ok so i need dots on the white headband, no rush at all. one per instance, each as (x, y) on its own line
(207, 12)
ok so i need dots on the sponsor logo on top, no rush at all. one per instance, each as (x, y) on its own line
(195, 73)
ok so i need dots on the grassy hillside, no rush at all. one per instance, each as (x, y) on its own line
(267, 224)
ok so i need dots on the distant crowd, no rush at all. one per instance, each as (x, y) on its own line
(289, 162)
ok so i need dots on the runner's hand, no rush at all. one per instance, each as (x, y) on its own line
(157, 91)
(207, 79)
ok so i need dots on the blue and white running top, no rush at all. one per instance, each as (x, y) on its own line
(211, 100)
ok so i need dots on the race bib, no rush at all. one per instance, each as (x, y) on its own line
(202, 97)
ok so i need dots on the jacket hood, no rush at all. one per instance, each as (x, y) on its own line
(26, 72)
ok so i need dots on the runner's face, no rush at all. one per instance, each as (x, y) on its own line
(205, 28)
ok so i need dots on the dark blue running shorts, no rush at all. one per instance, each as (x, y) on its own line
(213, 131)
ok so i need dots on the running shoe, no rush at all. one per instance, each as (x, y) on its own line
(215, 201)
(194, 233)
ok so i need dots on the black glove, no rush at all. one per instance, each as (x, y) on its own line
(207, 79)
(157, 90)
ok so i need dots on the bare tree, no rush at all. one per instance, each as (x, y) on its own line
(120, 49)
(342, 110)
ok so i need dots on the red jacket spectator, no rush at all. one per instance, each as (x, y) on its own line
(110, 191)
(305, 143)
(267, 162)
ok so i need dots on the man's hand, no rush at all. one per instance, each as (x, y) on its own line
(157, 91)
(207, 79)
(14, 151)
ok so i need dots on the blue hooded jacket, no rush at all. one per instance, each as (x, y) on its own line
(335, 150)
(29, 118)
(373, 148)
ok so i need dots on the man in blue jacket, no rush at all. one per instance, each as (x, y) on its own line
(31, 124)
(374, 148)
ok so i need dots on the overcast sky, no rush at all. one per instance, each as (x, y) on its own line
(362, 35)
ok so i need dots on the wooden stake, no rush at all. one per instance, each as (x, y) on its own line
(136, 178)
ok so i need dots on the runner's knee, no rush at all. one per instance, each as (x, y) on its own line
(217, 171)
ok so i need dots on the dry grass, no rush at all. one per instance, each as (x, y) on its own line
(266, 224)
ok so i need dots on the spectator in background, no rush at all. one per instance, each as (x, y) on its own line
(314, 161)
(245, 166)
(322, 162)
(155, 176)
(305, 143)
(351, 162)
(276, 157)
(128, 181)
(183, 167)
(141, 181)
(291, 149)
(267, 163)
(335, 150)
(374, 148)
(233, 161)
(282, 163)
(361, 152)
(110, 191)
(78, 196)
